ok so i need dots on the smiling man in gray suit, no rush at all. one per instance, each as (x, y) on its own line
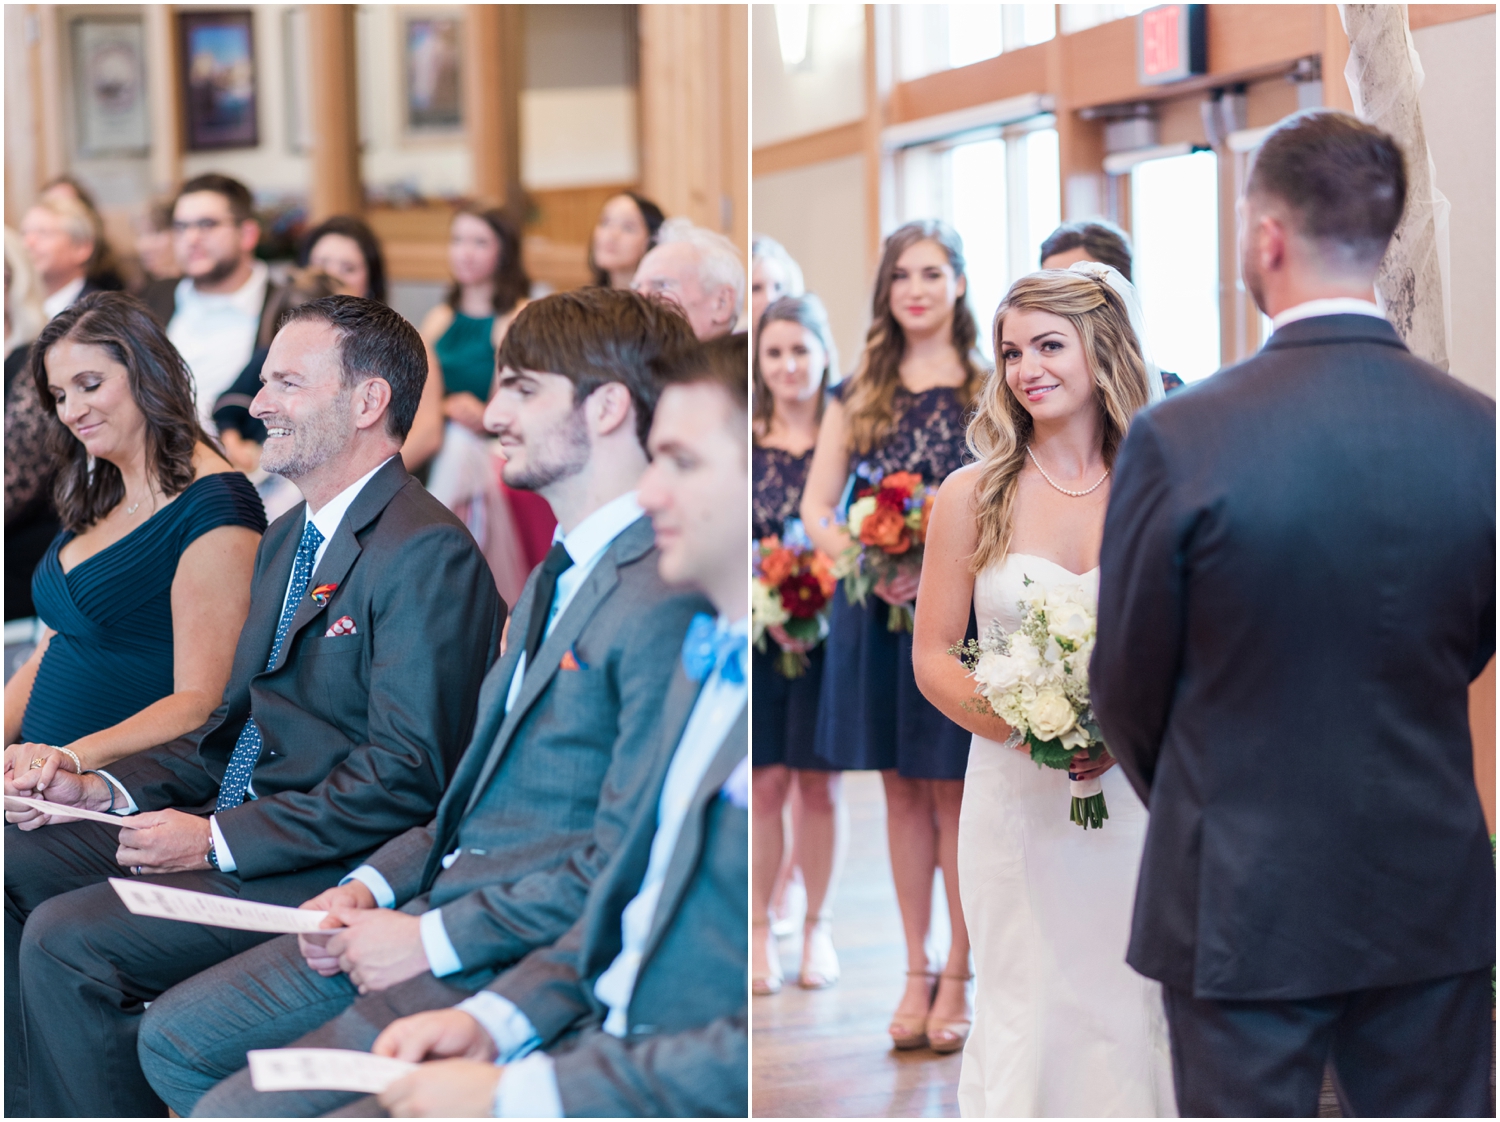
(561, 754)
(639, 1011)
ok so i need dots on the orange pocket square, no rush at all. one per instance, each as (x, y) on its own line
(570, 661)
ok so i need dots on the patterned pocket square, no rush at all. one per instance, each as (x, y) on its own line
(571, 661)
(344, 626)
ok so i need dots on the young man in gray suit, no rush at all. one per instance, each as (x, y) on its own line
(1297, 587)
(373, 617)
(560, 759)
(640, 1009)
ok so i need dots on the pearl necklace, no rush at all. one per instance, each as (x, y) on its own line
(1064, 490)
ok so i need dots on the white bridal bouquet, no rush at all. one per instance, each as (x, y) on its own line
(1036, 679)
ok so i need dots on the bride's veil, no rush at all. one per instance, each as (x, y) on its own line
(1113, 277)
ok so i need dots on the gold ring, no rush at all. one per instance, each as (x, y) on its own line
(38, 763)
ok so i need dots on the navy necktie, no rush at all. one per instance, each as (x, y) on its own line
(554, 565)
(247, 749)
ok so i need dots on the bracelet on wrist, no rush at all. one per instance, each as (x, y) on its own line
(72, 755)
(111, 808)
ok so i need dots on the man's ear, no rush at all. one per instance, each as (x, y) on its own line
(609, 407)
(372, 399)
(725, 310)
(249, 235)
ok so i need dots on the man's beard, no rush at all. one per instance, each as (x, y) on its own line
(221, 271)
(561, 454)
(314, 440)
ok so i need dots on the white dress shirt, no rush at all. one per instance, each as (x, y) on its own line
(529, 1085)
(1330, 306)
(62, 298)
(215, 334)
(585, 544)
(327, 520)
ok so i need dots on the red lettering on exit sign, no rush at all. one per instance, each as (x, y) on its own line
(1161, 50)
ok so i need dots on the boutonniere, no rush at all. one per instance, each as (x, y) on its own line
(321, 594)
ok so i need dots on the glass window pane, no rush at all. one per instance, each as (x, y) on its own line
(1175, 220)
(977, 182)
(1043, 190)
(974, 33)
(1041, 23)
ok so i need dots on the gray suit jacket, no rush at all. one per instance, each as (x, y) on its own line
(544, 794)
(360, 731)
(685, 1052)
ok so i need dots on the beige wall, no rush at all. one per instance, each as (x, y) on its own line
(1458, 114)
(826, 90)
(818, 213)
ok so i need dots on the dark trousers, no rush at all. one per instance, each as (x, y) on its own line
(193, 1041)
(1420, 1050)
(79, 967)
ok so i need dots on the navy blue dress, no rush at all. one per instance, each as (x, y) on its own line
(112, 612)
(783, 711)
(871, 714)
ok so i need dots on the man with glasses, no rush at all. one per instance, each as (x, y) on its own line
(213, 314)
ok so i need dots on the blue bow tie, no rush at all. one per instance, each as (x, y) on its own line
(706, 649)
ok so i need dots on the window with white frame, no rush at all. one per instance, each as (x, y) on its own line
(933, 37)
(1174, 218)
(1080, 17)
(1000, 190)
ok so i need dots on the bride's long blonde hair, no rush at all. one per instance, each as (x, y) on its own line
(1001, 429)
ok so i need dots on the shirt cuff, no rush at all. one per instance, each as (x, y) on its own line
(511, 1030)
(441, 957)
(129, 806)
(380, 888)
(528, 1090)
(221, 847)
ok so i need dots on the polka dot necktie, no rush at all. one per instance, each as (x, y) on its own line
(247, 750)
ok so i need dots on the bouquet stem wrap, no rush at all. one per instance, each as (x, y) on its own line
(1088, 808)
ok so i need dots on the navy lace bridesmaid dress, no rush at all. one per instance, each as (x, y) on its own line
(783, 711)
(111, 655)
(871, 714)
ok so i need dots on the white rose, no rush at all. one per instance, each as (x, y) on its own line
(997, 673)
(858, 512)
(1072, 623)
(1051, 715)
(1076, 737)
(1023, 652)
(766, 608)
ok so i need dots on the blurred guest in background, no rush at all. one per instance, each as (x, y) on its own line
(903, 410)
(60, 239)
(145, 590)
(773, 274)
(626, 230)
(153, 242)
(30, 519)
(698, 270)
(489, 288)
(795, 363)
(106, 271)
(213, 314)
(1097, 239)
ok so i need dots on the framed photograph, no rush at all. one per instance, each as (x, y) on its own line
(109, 87)
(430, 53)
(218, 59)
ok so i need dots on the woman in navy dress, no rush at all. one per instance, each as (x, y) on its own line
(794, 364)
(144, 592)
(904, 409)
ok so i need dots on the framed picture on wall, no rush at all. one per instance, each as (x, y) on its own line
(430, 42)
(218, 60)
(109, 87)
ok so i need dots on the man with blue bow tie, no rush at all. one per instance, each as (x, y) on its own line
(640, 1009)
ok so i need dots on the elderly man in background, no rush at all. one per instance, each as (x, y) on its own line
(60, 240)
(698, 270)
(213, 314)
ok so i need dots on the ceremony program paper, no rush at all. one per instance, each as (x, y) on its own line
(217, 911)
(21, 802)
(323, 1069)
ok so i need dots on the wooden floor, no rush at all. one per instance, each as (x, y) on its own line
(822, 1054)
(825, 1054)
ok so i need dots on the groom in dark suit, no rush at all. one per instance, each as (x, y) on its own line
(373, 617)
(1297, 587)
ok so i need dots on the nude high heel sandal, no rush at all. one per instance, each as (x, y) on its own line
(943, 1036)
(764, 985)
(908, 1033)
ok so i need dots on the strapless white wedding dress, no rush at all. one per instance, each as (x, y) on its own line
(1062, 1026)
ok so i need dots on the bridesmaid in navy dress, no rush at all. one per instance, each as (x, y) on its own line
(904, 409)
(794, 364)
(144, 592)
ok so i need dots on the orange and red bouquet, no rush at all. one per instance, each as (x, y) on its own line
(888, 521)
(790, 597)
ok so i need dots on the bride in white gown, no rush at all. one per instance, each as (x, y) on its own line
(1063, 1027)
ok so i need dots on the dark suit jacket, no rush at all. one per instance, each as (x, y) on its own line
(360, 731)
(686, 1047)
(544, 794)
(160, 296)
(1297, 586)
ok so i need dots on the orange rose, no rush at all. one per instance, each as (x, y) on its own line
(822, 568)
(906, 482)
(777, 565)
(885, 529)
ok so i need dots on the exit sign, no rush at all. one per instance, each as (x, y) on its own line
(1171, 43)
